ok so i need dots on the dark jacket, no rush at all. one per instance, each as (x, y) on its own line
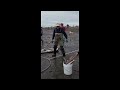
(59, 30)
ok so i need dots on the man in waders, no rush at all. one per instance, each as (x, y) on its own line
(59, 40)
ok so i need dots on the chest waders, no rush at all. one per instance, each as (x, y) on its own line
(59, 40)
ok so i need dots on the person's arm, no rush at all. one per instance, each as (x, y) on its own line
(64, 34)
(53, 34)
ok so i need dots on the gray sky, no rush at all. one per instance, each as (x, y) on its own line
(50, 18)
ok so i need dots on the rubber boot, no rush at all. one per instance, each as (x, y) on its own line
(63, 51)
(55, 47)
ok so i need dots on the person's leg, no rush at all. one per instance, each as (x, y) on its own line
(61, 46)
(55, 47)
(62, 50)
(58, 47)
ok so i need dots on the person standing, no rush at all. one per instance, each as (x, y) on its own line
(58, 34)
(62, 26)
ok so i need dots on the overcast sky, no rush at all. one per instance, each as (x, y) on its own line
(50, 18)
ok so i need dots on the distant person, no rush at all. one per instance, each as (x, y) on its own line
(62, 26)
(41, 36)
(67, 26)
(58, 35)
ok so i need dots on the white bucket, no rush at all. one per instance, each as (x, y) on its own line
(67, 68)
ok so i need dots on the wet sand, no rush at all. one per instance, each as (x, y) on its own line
(55, 71)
